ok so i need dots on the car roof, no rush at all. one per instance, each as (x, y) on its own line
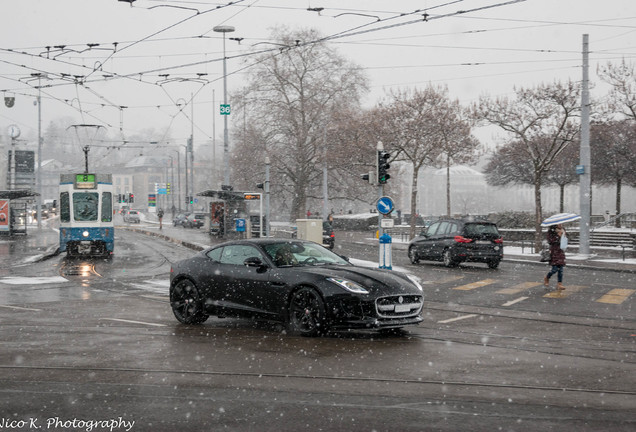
(261, 241)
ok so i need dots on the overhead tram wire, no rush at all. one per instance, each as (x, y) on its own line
(170, 27)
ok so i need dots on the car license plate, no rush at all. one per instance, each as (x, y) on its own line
(483, 242)
(402, 308)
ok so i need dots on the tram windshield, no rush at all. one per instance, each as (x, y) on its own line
(85, 206)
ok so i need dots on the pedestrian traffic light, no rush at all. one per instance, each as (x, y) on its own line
(383, 166)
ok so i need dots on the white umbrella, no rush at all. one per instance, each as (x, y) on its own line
(560, 218)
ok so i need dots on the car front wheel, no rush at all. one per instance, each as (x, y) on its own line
(306, 313)
(186, 303)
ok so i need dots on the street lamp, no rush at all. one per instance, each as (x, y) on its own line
(226, 170)
(39, 76)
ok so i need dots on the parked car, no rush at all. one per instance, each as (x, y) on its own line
(180, 219)
(195, 220)
(454, 241)
(315, 289)
(328, 236)
(132, 216)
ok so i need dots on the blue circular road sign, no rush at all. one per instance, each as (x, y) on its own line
(385, 205)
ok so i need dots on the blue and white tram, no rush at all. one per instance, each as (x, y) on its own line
(86, 214)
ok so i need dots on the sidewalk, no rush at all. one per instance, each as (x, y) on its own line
(601, 258)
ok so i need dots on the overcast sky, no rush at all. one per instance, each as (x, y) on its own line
(120, 55)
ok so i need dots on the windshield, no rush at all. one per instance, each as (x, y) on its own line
(292, 253)
(85, 206)
(481, 229)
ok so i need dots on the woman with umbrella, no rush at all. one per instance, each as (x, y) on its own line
(558, 242)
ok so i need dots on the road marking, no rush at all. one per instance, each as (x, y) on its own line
(439, 281)
(474, 285)
(616, 296)
(20, 308)
(32, 280)
(134, 322)
(463, 317)
(518, 288)
(511, 302)
(569, 290)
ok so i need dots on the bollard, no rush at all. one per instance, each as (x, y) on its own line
(385, 252)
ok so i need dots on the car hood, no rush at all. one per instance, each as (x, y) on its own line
(379, 282)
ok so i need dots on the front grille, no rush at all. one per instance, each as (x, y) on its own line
(399, 306)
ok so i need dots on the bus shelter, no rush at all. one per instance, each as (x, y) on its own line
(13, 211)
(226, 210)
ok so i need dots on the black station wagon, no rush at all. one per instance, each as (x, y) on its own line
(454, 241)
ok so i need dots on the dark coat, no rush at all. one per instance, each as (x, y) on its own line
(557, 255)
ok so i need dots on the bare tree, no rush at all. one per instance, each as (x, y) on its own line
(411, 127)
(542, 122)
(293, 95)
(613, 145)
(562, 171)
(457, 145)
(622, 78)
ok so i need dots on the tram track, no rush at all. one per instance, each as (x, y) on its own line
(311, 377)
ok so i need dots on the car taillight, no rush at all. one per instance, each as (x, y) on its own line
(499, 240)
(460, 239)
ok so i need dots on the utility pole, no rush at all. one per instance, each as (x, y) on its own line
(39, 179)
(585, 168)
(192, 152)
(325, 179)
(267, 164)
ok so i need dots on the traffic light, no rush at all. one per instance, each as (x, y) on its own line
(168, 188)
(131, 198)
(383, 166)
(371, 178)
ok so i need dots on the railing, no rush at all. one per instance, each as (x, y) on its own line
(625, 217)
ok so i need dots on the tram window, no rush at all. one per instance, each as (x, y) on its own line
(107, 207)
(85, 206)
(65, 208)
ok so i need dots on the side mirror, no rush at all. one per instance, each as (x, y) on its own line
(255, 262)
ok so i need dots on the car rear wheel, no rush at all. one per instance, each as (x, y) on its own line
(413, 255)
(306, 313)
(493, 264)
(186, 303)
(448, 259)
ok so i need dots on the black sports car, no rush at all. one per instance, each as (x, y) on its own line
(297, 282)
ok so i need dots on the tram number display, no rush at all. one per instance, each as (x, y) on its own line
(85, 181)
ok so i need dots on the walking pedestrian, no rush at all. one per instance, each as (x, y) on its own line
(557, 255)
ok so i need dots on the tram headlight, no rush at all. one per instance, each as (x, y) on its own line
(85, 233)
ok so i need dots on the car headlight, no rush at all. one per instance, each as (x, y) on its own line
(416, 281)
(349, 285)
(85, 233)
